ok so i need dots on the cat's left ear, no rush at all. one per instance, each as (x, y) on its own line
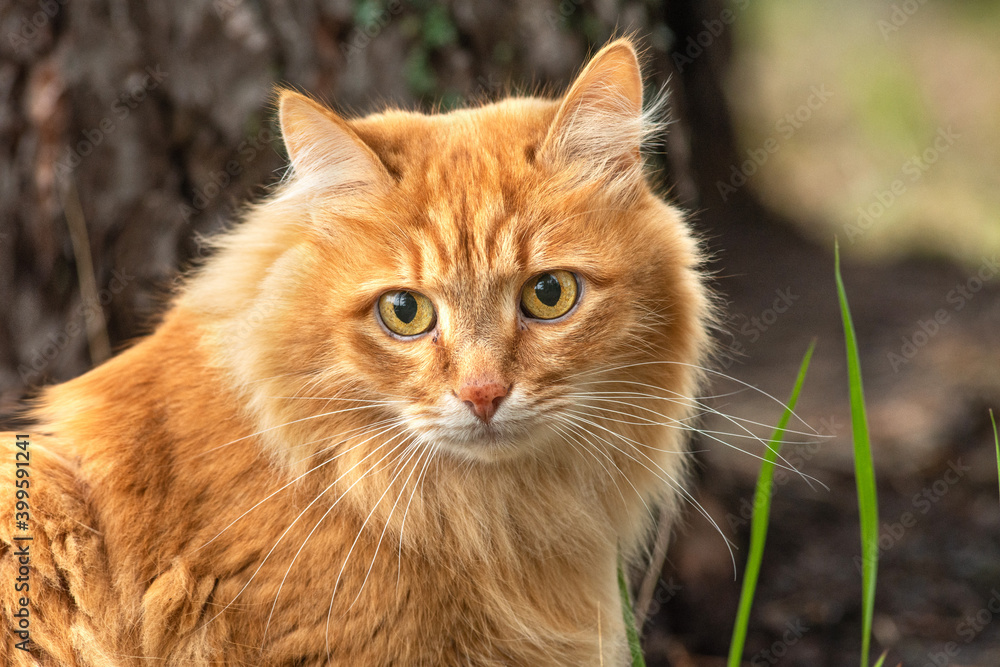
(599, 125)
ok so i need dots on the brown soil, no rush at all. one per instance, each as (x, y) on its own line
(936, 467)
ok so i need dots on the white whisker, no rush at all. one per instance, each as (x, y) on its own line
(291, 525)
(402, 526)
(418, 452)
(322, 518)
(711, 371)
(568, 432)
(294, 421)
(672, 482)
(282, 488)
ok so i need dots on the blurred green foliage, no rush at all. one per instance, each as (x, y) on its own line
(902, 74)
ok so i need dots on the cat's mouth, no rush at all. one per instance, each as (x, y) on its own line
(489, 440)
(452, 427)
(485, 441)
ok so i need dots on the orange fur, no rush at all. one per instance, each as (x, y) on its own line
(272, 478)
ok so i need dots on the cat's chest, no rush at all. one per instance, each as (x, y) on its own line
(359, 599)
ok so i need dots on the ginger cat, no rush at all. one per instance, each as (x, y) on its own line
(408, 413)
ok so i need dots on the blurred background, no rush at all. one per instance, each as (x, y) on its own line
(129, 130)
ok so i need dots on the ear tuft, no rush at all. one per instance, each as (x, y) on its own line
(324, 151)
(600, 122)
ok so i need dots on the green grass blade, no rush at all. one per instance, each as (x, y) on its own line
(996, 441)
(881, 659)
(761, 515)
(864, 469)
(634, 646)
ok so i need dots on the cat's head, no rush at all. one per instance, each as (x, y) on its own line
(489, 282)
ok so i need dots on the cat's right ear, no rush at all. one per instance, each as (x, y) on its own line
(600, 124)
(324, 151)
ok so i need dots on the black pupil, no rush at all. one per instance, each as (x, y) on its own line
(404, 306)
(548, 290)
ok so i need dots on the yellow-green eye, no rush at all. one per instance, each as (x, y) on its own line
(549, 295)
(406, 313)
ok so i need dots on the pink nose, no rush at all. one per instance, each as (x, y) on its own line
(483, 398)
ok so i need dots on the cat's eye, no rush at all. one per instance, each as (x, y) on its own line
(406, 313)
(549, 295)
